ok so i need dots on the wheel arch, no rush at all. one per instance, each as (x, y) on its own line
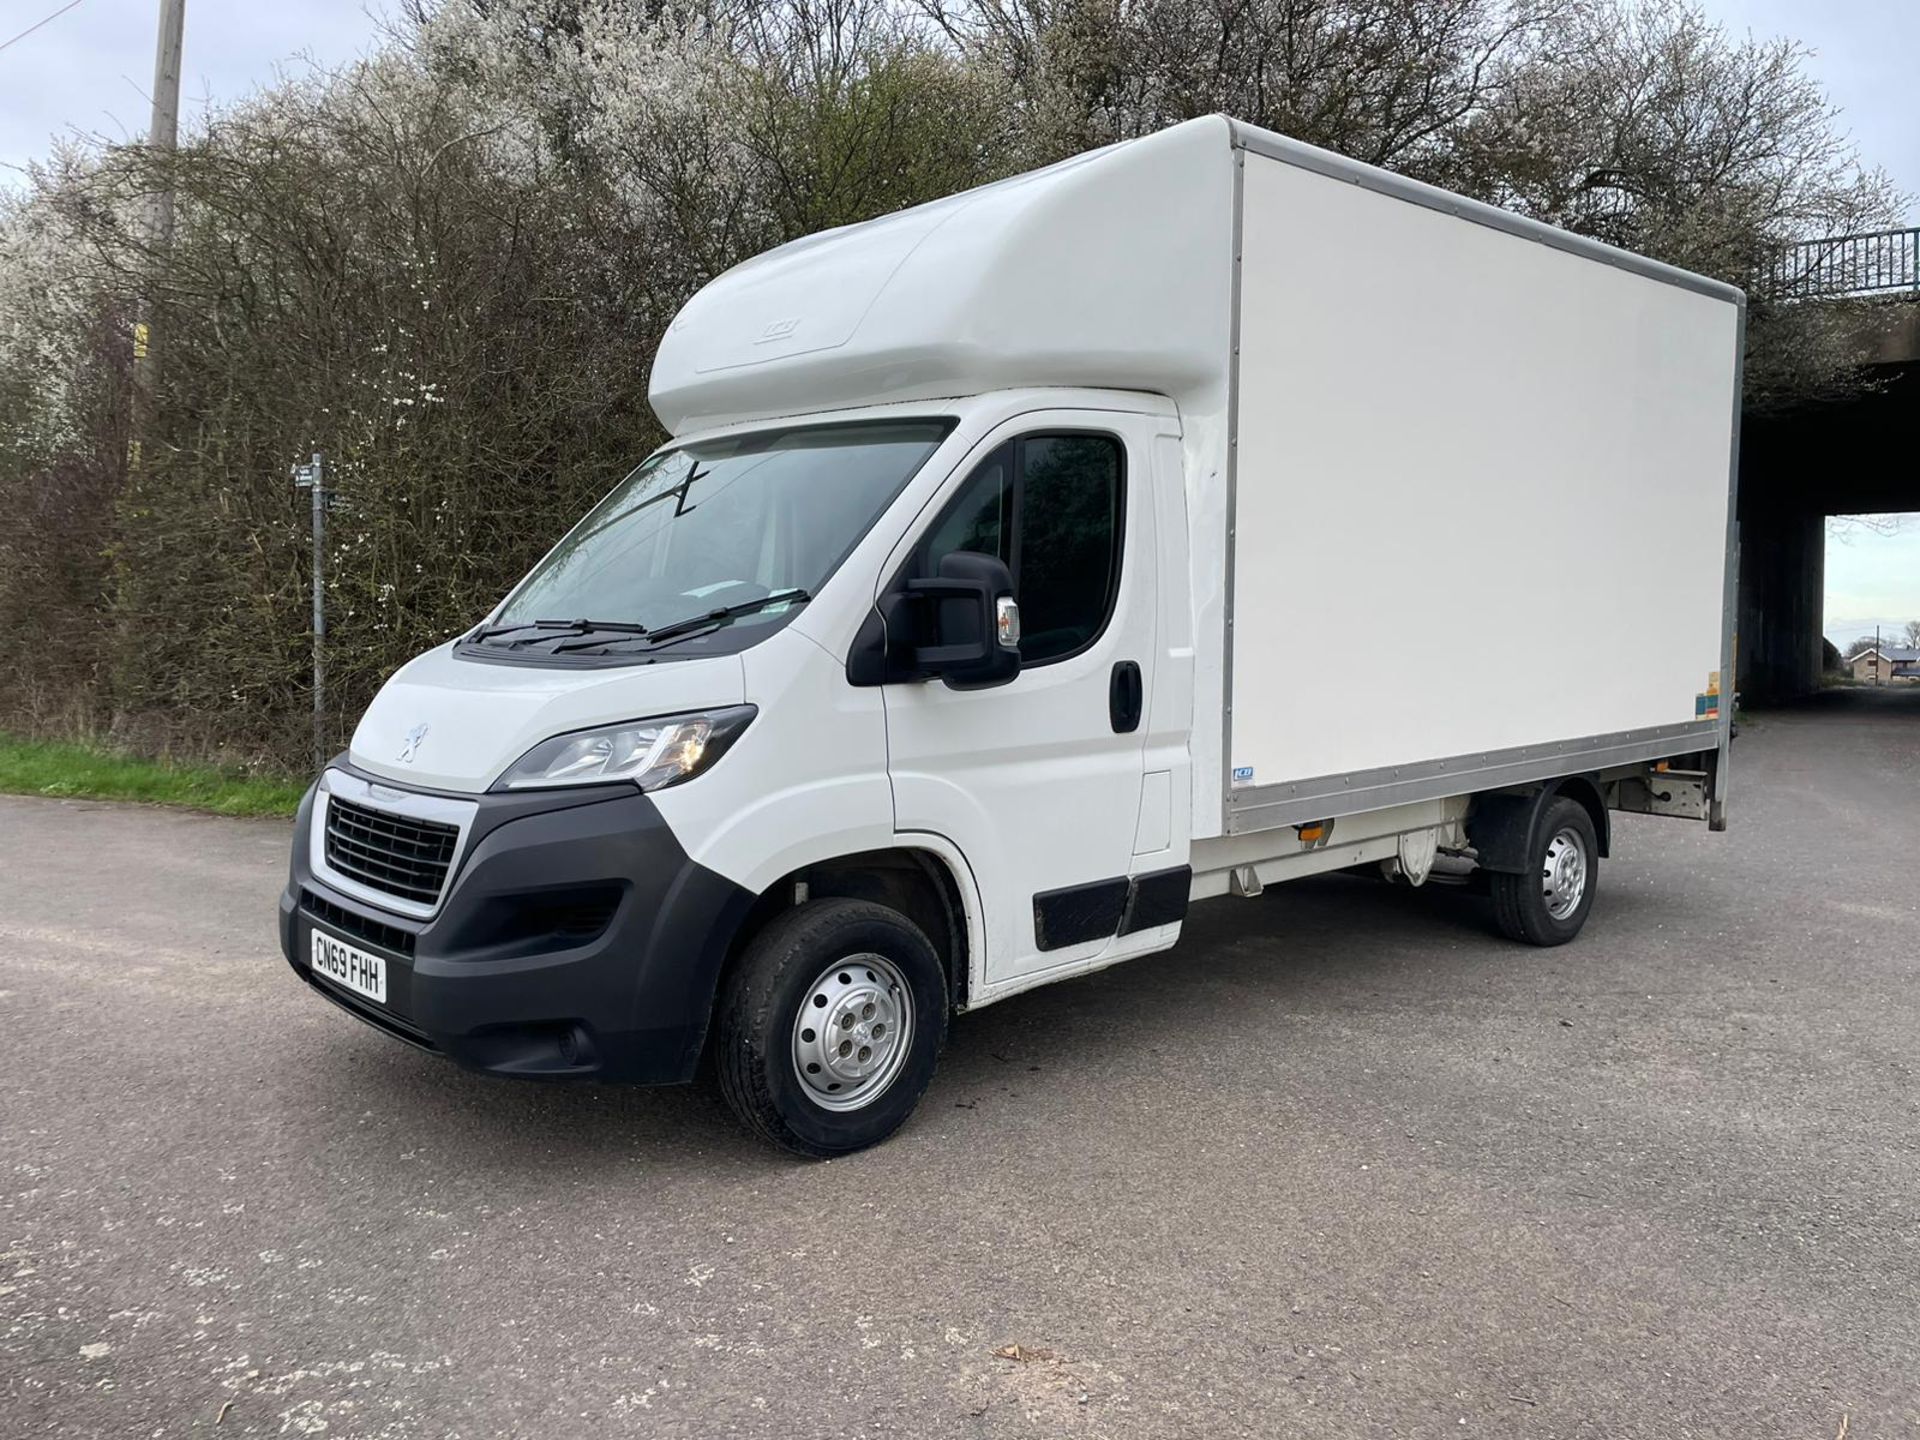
(1586, 790)
(1500, 824)
(926, 881)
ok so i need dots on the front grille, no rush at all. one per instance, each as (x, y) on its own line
(396, 854)
(351, 922)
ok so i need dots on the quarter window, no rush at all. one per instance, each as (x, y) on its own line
(1050, 507)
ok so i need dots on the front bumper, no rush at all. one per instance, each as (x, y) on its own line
(575, 940)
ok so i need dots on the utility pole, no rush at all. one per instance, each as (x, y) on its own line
(163, 134)
(163, 137)
(312, 478)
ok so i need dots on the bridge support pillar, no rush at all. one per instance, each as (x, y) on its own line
(1783, 561)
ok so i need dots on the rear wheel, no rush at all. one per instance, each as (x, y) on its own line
(1548, 902)
(830, 1027)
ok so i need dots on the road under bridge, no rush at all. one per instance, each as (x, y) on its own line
(1850, 456)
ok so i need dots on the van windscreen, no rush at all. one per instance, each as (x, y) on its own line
(732, 533)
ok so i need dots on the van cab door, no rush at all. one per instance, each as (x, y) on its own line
(1038, 781)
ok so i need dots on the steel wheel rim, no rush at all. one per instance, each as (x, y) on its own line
(1563, 874)
(853, 1032)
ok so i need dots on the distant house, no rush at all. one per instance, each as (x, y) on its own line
(1887, 662)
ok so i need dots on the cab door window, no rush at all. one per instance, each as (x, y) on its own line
(1051, 507)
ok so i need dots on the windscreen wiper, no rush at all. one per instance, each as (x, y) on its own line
(795, 596)
(569, 627)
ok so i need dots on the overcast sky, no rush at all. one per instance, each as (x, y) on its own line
(1871, 580)
(90, 69)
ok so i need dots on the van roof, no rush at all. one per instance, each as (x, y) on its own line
(1111, 270)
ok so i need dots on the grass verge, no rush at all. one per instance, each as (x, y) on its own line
(85, 772)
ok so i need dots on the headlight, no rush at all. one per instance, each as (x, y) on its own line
(651, 754)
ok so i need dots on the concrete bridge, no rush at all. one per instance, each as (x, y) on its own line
(1858, 455)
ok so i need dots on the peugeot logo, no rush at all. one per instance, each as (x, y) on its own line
(414, 736)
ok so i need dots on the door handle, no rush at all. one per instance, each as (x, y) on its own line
(1126, 696)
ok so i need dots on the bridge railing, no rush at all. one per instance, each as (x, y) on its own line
(1875, 263)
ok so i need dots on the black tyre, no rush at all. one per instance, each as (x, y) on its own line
(829, 1028)
(1548, 902)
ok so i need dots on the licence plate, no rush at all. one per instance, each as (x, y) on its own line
(350, 966)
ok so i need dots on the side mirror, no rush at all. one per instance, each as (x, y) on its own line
(971, 621)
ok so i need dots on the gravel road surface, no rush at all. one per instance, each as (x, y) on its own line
(1343, 1164)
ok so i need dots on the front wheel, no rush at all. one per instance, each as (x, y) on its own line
(829, 1029)
(1548, 902)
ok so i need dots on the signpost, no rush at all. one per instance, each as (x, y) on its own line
(311, 477)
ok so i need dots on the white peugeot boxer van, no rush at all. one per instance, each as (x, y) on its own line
(1015, 578)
